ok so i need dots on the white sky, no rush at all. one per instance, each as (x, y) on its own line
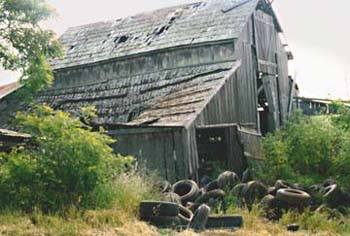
(316, 30)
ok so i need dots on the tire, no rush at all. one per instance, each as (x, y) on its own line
(299, 186)
(247, 176)
(205, 180)
(272, 191)
(280, 184)
(224, 222)
(200, 218)
(237, 191)
(155, 208)
(329, 182)
(185, 215)
(193, 206)
(212, 186)
(254, 191)
(293, 197)
(163, 186)
(163, 221)
(187, 190)
(227, 180)
(214, 194)
(171, 197)
(315, 189)
(334, 196)
(267, 202)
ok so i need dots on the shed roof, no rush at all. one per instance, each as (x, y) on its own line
(162, 98)
(9, 88)
(201, 22)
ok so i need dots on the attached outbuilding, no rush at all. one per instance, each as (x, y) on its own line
(186, 90)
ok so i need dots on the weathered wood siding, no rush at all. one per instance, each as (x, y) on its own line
(273, 62)
(160, 150)
(236, 101)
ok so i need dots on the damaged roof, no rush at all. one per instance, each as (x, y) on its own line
(170, 97)
(201, 22)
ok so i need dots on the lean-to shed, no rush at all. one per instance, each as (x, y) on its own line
(183, 89)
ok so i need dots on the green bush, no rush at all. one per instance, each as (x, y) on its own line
(307, 150)
(65, 163)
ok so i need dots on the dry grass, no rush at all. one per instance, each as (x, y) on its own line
(115, 222)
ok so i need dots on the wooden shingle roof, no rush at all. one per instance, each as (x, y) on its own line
(206, 21)
(165, 98)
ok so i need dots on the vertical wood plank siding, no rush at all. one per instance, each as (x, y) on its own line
(157, 150)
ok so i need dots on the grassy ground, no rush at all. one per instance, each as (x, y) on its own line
(118, 222)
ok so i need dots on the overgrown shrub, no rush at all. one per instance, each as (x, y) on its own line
(65, 163)
(308, 150)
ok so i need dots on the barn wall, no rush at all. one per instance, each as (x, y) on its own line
(247, 80)
(236, 101)
(144, 64)
(172, 153)
(273, 60)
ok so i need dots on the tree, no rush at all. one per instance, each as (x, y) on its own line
(24, 45)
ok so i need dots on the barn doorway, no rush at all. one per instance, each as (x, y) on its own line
(219, 149)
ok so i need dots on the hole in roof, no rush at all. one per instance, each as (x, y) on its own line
(198, 5)
(71, 48)
(161, 30)
(121, 39)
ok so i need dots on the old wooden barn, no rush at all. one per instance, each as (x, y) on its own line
(184, 89)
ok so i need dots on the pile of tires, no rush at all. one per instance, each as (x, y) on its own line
(160, 214)
(188, 204)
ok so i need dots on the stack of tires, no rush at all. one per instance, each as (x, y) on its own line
(160, 214)
(189, 205)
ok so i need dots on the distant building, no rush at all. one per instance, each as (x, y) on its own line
(314, 106)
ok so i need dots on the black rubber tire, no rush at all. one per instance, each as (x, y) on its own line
(272, 191)
(293, 197)
(214, 194)
(193, 206)
(205, 180)
(227, 180)
(168, 222)
(299, 186)
(272, 207)
(315, 189)
(334, 196)
(200, 218)
(171, 197)
(254, 191)
(224, 222)
(329, 182)
(267, 202)
(185, 215)
(237, 191)
(212, 186)
(157, 208)
(247, 176)
(280, 184)
(187, 190)
(163, 186)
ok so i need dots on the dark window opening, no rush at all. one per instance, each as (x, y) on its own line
(212, 151)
